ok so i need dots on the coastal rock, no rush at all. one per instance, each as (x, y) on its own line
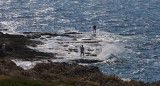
(16, 47)
(64, 72)
(49, 70)
(1, 33)
(86, 61)
(9, 68)
(46, 71)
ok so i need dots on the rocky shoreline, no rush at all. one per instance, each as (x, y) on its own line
(16, 48)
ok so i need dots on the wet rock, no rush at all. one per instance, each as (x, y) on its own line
(73, 33)
(16, 47)
(31, 32)
(86, 61)
(72, 50)
(90, 54)
(65, 45)
(92, 41)
(93, 54)
(87, 39)
(90, 49)
(1, 33)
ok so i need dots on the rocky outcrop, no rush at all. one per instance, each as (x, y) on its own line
(62, 72)
(9, 68)
(16, 47)
(48, 72)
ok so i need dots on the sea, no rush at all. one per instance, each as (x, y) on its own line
(127, 41)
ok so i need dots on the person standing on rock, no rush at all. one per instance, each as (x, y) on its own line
(81, 50)
(94, 28)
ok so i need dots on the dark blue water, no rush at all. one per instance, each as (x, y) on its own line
(138, 20)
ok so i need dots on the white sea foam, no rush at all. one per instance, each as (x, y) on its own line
(24, 64)
(102, 49)
(108, 50)
(27, 64)
(126, 79)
